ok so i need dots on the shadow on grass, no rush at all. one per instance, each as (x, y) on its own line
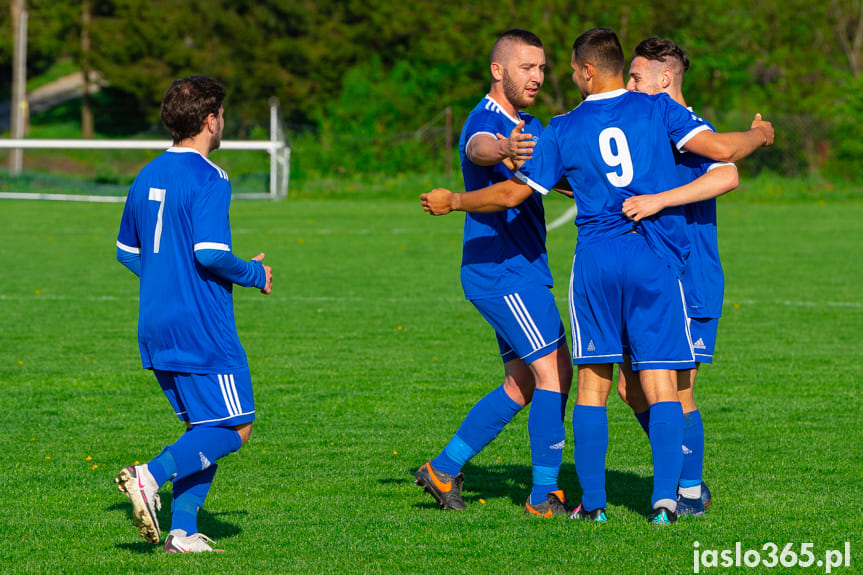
(513, 482)
(209, 523)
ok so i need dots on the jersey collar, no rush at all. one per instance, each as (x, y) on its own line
(184, 150)
(502, 110)
(606, 95)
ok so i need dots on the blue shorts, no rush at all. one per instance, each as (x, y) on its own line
(527, 323)
(220, 400)
(703, 332)
(623, 297)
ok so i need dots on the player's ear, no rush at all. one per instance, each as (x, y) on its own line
(497, 71)
(211, 121)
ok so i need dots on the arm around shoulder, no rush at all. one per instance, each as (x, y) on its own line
(732, 146)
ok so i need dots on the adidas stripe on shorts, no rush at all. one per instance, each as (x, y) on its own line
(223, 400)
(527, 323)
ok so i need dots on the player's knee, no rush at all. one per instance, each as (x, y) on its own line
(244, 431)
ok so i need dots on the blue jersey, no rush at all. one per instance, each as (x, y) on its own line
(612, 146)
(503, 251)
(177, 205)
(703, 280)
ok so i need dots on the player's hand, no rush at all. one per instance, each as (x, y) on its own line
(765, 127)
(636, 208)
(268, 289)
(437, 202)
(517, 148)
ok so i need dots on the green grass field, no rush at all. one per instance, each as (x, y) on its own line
(366, 358)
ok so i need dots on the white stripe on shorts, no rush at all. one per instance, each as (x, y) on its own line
(229, 394)
(522, 316)
(573, 319)
(687, 322)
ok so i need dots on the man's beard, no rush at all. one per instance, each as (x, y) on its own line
(515, 94)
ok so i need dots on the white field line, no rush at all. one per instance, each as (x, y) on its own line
(567, 218)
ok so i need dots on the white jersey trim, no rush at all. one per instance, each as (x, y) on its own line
(692, 134)
(606, 95)
(128, 249)
(493, 106)
(720, 165)
(212, 246)
(531, 183)
(183, 150)
(475, 135)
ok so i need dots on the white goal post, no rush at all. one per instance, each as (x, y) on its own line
(276, 146)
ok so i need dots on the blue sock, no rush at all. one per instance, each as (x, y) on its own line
(189, 495)
(644, 419)
(200, 447)
(481, 425)
(666, 439)
(590, 429)
(163, 467)
(693, 449)
(547, 438)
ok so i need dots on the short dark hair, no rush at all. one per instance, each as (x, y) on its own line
(515, 36)
(187, 103)
(661, 49)
(600, 47)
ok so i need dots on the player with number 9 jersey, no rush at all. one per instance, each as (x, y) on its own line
(612, 146)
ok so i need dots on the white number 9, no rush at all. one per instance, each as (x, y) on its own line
(621, 159)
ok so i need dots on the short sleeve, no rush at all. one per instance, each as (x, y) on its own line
(682, 124)
(127, 238)
(211, 226)
(485, 123)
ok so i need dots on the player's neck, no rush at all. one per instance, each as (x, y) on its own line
(196, 143)
(600, 85)
(499, 96)
(677, 96)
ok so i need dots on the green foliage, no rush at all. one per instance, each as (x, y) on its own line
(847, 140)
(364, 78)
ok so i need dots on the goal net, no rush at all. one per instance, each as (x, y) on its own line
(101, 170)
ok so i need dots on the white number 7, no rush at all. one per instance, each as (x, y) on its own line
(158, 195)
(622, 158)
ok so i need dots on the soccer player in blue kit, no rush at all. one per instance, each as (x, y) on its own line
(624, 289)
(505, 274)
(175, 235)
(659, 67)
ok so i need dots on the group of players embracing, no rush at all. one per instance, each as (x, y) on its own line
(646, 286)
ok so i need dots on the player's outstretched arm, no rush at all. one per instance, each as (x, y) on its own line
(713, 184)
(732, 146)
(501, 196)
(488, 150)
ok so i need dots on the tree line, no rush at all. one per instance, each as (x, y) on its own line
(371, 70)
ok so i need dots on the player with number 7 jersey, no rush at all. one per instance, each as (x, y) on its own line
(175, 235)
(177, 207)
